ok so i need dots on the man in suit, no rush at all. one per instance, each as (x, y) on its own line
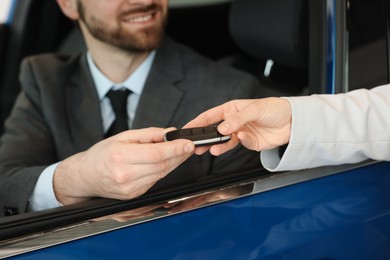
(54, 151)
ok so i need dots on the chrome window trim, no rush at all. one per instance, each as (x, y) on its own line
(105, 224)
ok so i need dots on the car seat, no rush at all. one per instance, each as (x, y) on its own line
(34, 28)
(273, 38)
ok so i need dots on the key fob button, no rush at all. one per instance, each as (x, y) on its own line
(197, 131)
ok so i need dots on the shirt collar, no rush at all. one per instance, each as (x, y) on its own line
(135, 82)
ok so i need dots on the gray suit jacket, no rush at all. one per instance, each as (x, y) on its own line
(57, 114)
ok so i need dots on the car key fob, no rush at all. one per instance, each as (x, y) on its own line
(201, 136)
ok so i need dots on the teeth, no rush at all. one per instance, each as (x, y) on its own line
(140, 19)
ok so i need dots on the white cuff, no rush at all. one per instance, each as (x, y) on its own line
(270, 159)
(43, 196)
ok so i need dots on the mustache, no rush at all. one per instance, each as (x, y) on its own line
(142, 9)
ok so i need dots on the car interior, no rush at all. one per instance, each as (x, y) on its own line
(275, 51)
(368, 67)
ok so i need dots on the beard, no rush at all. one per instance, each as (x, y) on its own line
(144, 40)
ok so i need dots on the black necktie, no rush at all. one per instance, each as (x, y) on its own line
(118, 100)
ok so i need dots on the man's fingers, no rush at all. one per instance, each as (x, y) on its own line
(147, 135)
(152, 173)
(147, 176)
(134, 180)
(201, 150)
(147, 153)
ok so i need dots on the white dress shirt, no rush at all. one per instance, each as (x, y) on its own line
(43, 196)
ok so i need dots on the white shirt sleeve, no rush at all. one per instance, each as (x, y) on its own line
(43, 196)
(335, 129)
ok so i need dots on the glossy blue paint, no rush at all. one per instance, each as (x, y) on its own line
(343, 216)
(331, 46)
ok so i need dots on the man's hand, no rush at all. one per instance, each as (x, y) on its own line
(123, 166)
(258, 124)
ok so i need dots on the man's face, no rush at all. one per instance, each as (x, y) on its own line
(132, 25)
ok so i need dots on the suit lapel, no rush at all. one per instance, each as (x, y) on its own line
(157, 106)
(161, 95)
(83, 107)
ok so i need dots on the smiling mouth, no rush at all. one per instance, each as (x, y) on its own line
(140, 19)
(141, 14)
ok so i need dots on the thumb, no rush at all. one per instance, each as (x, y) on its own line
(144, 135)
